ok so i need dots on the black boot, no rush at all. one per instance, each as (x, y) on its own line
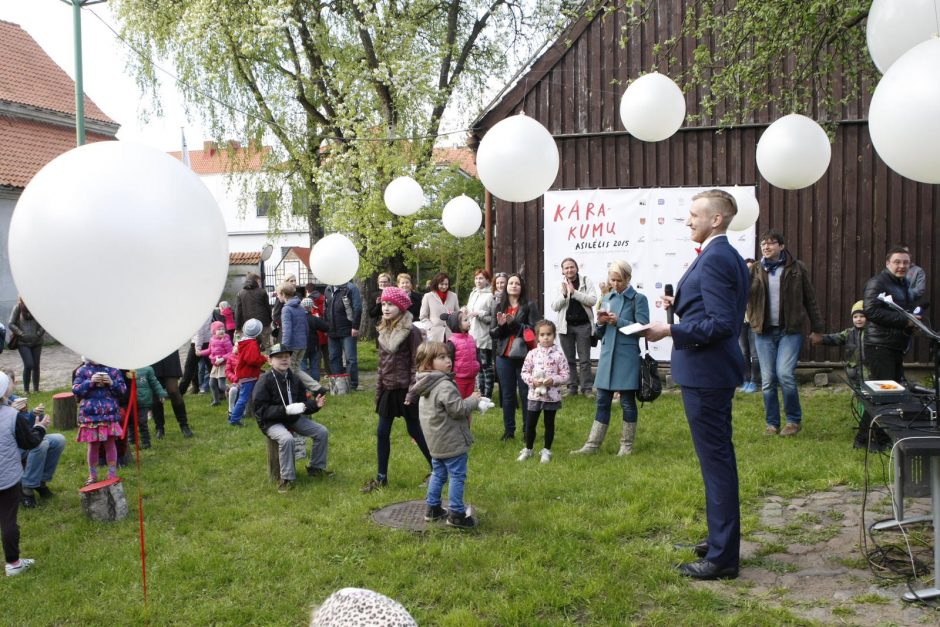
(158, 420)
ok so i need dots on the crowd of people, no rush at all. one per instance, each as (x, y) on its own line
(741, 324)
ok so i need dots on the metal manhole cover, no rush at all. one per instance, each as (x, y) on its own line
(408, 515)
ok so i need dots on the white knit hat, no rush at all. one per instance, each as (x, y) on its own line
(4, 384)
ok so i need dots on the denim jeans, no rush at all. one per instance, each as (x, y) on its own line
(244, 397)
(509, 372)
(41, 461)
(310, 363)
(778, 352)
(456, 469)
(339, 346)
(605, 399)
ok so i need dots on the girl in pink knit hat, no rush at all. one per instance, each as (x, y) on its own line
(398, 344)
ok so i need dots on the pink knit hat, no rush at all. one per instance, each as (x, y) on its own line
(215, 326)
(397, 297)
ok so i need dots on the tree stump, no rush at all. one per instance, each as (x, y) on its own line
(64, 411)
(274, 461)
(104, 501)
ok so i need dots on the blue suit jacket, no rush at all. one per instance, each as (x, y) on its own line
(710, 301)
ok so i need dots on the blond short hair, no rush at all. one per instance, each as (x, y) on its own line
(287, 290)
(621, 267)
(428, 352)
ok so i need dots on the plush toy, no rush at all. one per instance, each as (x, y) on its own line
(541, 390)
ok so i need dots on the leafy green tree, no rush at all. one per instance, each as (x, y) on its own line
(350, 93)
(806, 57)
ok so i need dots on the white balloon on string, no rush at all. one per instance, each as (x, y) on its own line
(652, 108)
(462, 216)
(794, 152)
(895, 26)
(517, 159)
(334, 259)
(904, 115)
(748, 209)
(404, 196)
(105, 227)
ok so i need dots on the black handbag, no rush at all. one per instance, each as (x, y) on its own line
(651, 386)
(519, 349)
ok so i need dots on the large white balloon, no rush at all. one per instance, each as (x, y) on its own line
(462, 216)
(518, 159)
(904, 116)
(334, 259)
(652, 108)
(404, 196)
(119, 251)
(793, 152)
(895, 26)
(748, 209)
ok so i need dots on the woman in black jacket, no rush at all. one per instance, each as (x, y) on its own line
(513, 314)
(28, 334)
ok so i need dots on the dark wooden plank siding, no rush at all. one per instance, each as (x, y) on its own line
(840, 227)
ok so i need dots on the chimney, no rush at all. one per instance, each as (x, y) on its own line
(210, 147)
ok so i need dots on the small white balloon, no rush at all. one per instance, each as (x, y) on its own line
(904, 115)
(334, 259)
(748, 209)
(119, 251)
(895, 26)
(793, 152)
(652, 108)
(517, 159)
(462, 216)
(404, 196)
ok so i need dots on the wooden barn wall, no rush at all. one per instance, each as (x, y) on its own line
(840, 227)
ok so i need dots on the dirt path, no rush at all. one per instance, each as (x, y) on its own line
(806, 557)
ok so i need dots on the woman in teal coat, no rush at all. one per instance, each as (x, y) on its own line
(618, 369)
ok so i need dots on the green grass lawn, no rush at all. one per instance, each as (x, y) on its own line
(583, 540)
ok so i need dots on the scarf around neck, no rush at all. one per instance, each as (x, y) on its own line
(770, 267)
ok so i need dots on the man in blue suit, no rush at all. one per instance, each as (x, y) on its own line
(706, 361)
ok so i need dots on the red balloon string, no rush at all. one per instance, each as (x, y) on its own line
(132, 410)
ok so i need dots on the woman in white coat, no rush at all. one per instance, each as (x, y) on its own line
(439, 300)
(575, 306)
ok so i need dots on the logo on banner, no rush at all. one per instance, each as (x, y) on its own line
(642, 220)
(659, 285)
(679, 220)
(660, 201)
(661, 220)
(659, 303)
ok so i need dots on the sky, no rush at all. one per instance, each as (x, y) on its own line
(107, 82)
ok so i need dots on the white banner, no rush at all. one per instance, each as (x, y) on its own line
(645, 227)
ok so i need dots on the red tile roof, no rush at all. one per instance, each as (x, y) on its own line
(464, 158)
(215, 159)
(244, 259)
(29, 77)
(303, 254)
(29, 145)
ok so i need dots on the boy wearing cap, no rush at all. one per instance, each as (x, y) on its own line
(851, 338)
(281, 408)
(294, 332)
(855, 370)
(248, 369)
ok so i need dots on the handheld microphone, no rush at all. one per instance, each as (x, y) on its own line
(670, 317)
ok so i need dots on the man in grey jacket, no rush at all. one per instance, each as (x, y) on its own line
(575, 323)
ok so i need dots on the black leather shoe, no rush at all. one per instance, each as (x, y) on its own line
(703, 569)
(44, 491)
(700, 549)
(508, 436)
(27, 498)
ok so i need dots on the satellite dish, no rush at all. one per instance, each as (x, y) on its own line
(266, 252)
